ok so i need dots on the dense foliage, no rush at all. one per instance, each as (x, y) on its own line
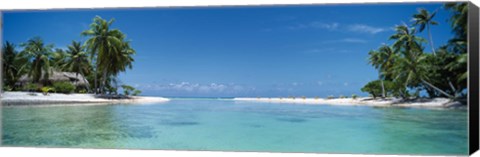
(405, 67)
(63, 87)
(104, 55)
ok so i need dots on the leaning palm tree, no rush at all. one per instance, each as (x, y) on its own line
(102, 42)
(77, 60)
(40, 54)
(413, 70)
(411, 67)
(424, 20)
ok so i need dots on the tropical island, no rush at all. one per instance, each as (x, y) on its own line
(42, 74)
(307, 79)
(406, 68)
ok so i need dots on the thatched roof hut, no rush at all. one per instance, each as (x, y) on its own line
(56, 76)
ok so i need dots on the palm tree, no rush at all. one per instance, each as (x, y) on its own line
(406, 40)
(14, 64)
(425, 19)
(77, 60)
(383, 60)
(411, 67)
(59, 57)
(376, 61)
(102, 43)
(40, 53)
(459, 18)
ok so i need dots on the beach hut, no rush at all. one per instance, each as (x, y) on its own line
(56, 76)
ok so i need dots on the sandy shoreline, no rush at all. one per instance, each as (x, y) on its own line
(365, 101)
(28, 98)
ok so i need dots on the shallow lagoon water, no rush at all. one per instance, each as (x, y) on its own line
(228, 125)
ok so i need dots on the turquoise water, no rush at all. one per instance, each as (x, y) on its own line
(227, 125)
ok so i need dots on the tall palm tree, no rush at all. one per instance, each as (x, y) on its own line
(102, 43)
(388, 56)
(77, 60)
(424, 20)
(383, 60)
(376, 60)
(406, 40)
(459, 18)
(59, 57)
(40, 54)
(14, 64)
(411, 67)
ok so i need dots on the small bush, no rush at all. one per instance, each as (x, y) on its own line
(127, 90)
(354, 96)
(82, 91)
(303, 97)
(31, 87)
(63, 87)
(46, 90)
(7, 88)
(136, 92)
(342, 96)
(330, 97)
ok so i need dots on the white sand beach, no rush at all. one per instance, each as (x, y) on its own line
(33, 98)
(364, 101)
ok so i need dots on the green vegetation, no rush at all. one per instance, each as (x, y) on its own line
(63, 87)
(405, 69)
(104, 55)
(127, 90)
(31, 87)
(76, 60)
(354, 96)
(40, 54)
(112, 54)
(46, 90)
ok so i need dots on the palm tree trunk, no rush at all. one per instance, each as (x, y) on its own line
(431, 41)
(451, 85)
(437, 89)
(104, 82)
(383, 86)
(96, 70)
(85, 80)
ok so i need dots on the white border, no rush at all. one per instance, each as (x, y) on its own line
(56, 4)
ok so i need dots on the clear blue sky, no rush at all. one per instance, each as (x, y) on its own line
(239, 51)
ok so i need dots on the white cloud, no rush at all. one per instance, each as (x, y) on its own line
(326, 50)
(317, 25)
(362, 28)
(354, 40)
(196, 87)
(334, 26)
(345, 40)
